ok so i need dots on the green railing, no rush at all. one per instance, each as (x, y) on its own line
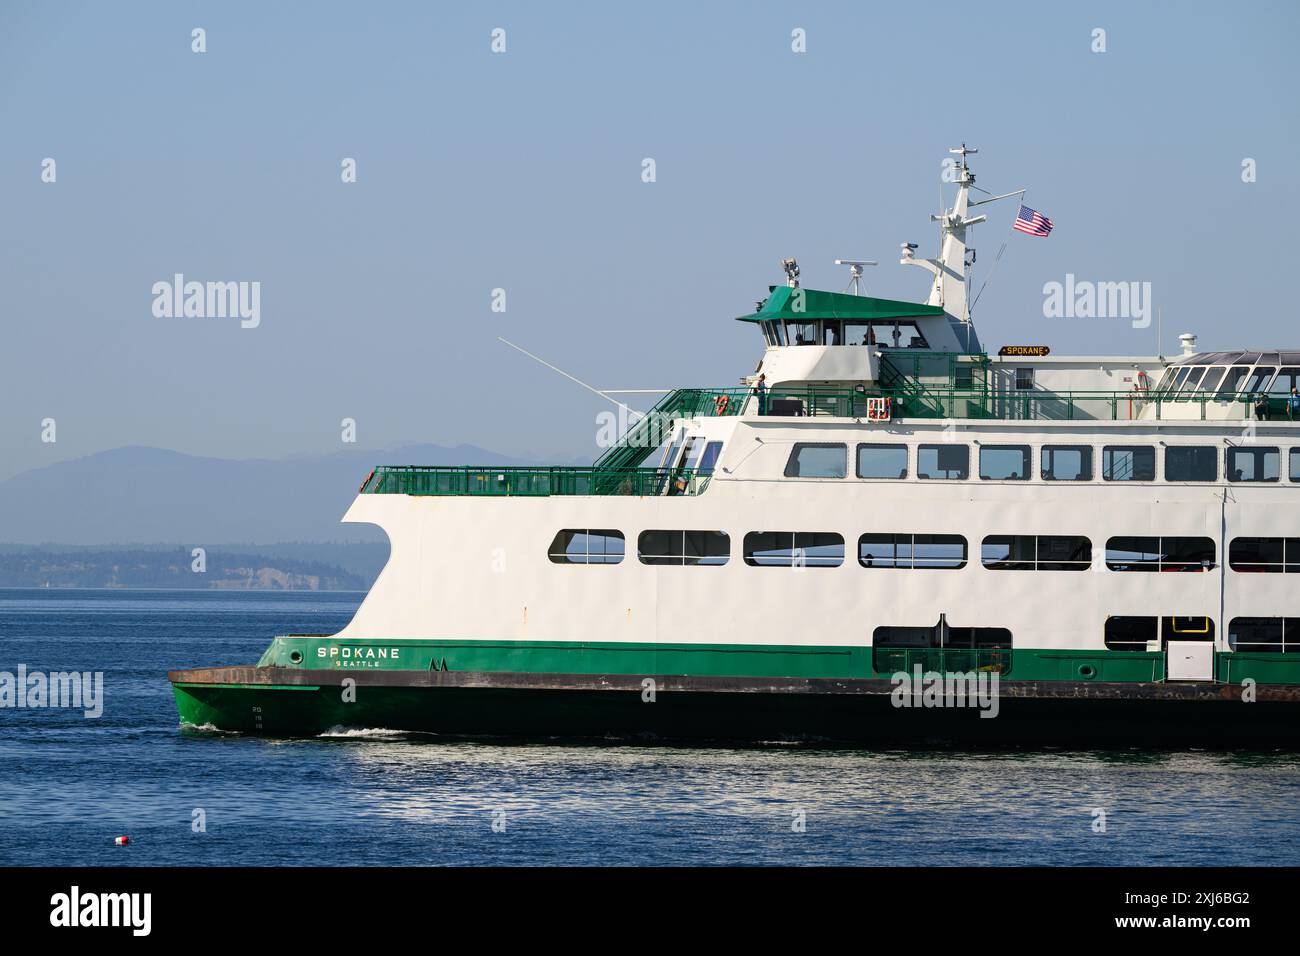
(1084, 405)
(532, 482)
(943, 660)
(650, 431)
(925, 363)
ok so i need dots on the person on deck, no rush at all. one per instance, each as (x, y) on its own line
(760, 390)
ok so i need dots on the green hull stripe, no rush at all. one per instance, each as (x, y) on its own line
(753, 660)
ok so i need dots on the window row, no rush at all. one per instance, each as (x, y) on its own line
(952, 462)
(1274, 635)
(906, 550)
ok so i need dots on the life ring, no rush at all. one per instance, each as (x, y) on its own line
(720, 404)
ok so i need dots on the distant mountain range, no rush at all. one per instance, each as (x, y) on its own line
(134, 495)
(223, 568)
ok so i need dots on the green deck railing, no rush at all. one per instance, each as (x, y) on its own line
(532, 482)
(943, 660)
(654, 428)
(912, 399)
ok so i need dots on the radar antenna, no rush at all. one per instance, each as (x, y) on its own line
(855, 272)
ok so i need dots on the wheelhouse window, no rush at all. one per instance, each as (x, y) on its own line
(801, 333)
(950, 462)
(684, 548)
(1129, 553)
(1265, 555)
(1066, 463)
(1270, 635)
(709, 460)
(1191, 463)
(799, 549)
(914, 551)
(1128, 463)
(882, 461)
(1004, 462)
(1253, 464)
(587, 546)
(1027, 552)
(817, 460)
(1024, 379)
(1130, 633)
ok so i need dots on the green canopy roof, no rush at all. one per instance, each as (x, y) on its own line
(780, 307)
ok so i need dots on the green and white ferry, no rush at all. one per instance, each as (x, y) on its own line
(1108, 547)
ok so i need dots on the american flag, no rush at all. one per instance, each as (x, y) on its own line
(1033, 222)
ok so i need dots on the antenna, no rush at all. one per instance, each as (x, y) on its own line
(855, 272)
(791, 272)
(963, 150)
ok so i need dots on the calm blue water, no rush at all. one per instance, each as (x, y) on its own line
(68, 785)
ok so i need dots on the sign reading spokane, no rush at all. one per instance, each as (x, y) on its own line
(1037, 351)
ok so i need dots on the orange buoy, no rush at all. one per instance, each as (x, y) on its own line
(122, 840)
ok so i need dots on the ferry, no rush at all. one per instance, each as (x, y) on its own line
(883, 534)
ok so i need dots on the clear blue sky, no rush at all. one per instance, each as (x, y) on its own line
(522, 171)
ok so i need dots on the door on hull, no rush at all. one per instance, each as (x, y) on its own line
(1189, 648)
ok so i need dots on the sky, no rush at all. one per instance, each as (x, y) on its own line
(522, 170)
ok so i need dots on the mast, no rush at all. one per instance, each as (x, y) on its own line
(949, 269)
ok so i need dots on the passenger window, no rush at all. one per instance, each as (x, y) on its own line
(1128, 463)
(1295, 464)
(1004, 462)
(684, 548)
(1232, 381)
(882, 461)
(1212, 379)
(1130, 553)
(1191, 463)
(951, 462)
(1066, 463)
(587, 546)
(916, 551)
(1017, 552)
(785, 549)
(817, 460)
(1187, 628)
(1266, 555)
(1270, 635)
(1286, 380)
(1260, 377)
(1253, 464)
(1130, 633)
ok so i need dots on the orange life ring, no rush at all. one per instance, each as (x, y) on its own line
(720, 403)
